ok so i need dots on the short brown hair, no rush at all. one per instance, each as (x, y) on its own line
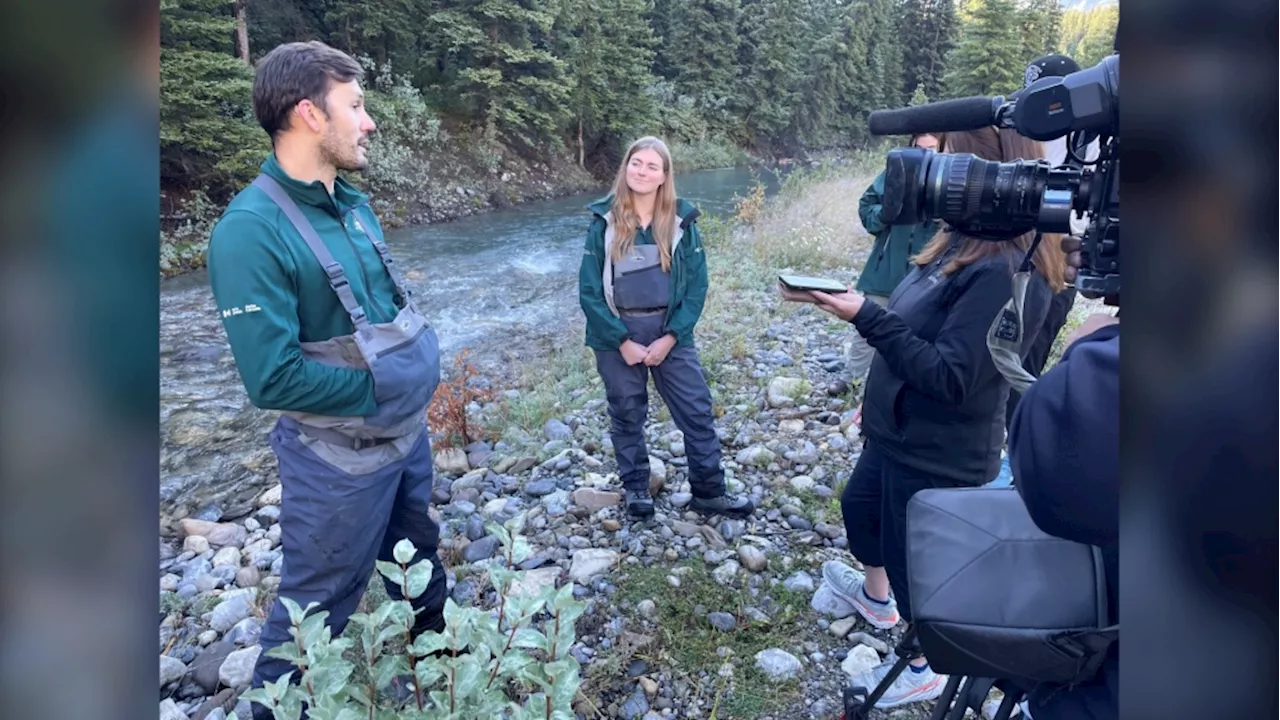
(294, 72)
(998, 145)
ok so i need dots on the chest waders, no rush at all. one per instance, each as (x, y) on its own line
(641, 295)
(355, 486)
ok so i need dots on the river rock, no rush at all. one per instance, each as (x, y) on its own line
(540, 488)
(755, 456)
(204, 669)
(171, 669)
(799, 582)
(237, 670)
(590, 562)
(593, 500)
(228, 556)
(722, 621)
(482, 549)
(230, 611)
(451, 461)
(861, 659)
(781, 391)
(535, 581)
(197, 544)
(802, 483)
(556, 430)
(778, 664)
(169, 710)
(791, 427)
(657, 475)
(271, 497)
(219, 534)
(752, 558)
(522, 465)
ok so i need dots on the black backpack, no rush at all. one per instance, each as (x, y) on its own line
(993, 596)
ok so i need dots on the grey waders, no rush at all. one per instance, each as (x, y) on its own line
(641, 294)
(355, 486)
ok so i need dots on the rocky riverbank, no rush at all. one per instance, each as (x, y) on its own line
(688, 616)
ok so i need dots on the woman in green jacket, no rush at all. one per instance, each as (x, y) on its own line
(890, 257)
(642, 285)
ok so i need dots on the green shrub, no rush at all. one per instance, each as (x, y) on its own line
(513, 670)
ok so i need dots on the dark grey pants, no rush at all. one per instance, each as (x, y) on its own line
(334, 525)
(683, 387)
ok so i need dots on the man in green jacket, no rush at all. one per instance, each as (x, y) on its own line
(323, 329)
(890, 257)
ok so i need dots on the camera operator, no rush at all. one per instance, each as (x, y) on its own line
(933, 413)
(1064, 449)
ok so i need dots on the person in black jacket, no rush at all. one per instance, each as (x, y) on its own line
(933, 412)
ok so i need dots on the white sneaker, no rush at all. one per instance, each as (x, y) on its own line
(909, 687)
(848, 585)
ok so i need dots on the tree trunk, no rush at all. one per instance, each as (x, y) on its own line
(582, 163)
(242, 32)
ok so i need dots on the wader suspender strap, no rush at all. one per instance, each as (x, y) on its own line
(387, 262)
(337, 276)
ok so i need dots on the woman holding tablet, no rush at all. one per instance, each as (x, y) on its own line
(642, 285)
(933, 411)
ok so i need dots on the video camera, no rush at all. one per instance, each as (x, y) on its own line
(1000, 201)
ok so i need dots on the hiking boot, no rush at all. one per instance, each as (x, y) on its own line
(639, 503)
(738, 506)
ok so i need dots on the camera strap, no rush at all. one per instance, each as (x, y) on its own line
(1005, 338)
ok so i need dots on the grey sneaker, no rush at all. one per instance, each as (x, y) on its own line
(848, 585)
(909, 687)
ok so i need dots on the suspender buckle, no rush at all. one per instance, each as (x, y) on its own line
(337, 276)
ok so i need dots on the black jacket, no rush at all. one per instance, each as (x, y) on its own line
(934, 400)
(1064, 449)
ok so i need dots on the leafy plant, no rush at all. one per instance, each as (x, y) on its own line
(486, 664)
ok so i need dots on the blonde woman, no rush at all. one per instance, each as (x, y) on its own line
(642, 285)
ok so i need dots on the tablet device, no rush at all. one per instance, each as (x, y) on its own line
(804, 282)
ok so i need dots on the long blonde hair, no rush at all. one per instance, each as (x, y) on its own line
(625, 220)
(1000, 145)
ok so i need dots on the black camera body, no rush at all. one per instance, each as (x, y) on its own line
(1001, 201)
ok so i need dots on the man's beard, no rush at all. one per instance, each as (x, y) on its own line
(341, 156)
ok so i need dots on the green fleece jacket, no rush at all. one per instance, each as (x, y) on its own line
(273, 294)
(895, 245)
(605, 330)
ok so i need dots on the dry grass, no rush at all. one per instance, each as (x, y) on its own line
(813, 224)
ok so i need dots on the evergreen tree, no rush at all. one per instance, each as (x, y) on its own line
(608, 50)
(928, 30)
(703, 51)
(209, 138)
(836, 80)
(493, 62)
(1097, 38)
(1041, 28)
(883, 82)
(988, 59)
(769, 92)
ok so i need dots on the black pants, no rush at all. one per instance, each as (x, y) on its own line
(874, 505)
(334, 525)
(683, 388)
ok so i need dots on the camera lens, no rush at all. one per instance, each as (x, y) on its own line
(992, 200)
